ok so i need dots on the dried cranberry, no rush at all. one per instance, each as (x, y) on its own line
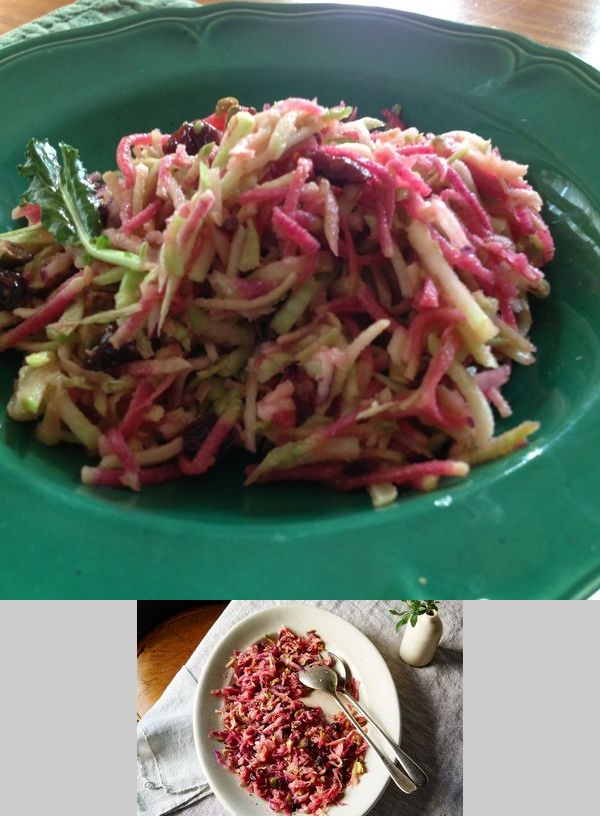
(339, 169)
(193, 136)
(13, 289)
(105, 356)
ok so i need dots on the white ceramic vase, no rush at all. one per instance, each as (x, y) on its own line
(419, 642)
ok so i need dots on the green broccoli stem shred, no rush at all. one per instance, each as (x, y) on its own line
(113, 257)
(33, 235)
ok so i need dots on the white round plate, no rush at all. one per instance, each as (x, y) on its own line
(377, 694)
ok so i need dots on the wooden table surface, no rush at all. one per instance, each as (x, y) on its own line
(573, 25)
(165, 649)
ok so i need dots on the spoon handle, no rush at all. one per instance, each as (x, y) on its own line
(416, 773)
(403, 782)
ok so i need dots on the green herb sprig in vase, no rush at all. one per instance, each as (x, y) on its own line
(422, 633)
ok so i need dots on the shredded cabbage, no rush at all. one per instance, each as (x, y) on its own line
(283, 750)
(333, 292)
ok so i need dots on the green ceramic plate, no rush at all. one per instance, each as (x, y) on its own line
(527, 526)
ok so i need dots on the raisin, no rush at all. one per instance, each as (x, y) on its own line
(104, 355)
(13, 255)
(97, 300)
(13, 289)
(339, 169)
(193, 136)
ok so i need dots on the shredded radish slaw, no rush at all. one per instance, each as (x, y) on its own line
(344, 297)
(282, 749)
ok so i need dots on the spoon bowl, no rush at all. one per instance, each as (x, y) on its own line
(321, 678)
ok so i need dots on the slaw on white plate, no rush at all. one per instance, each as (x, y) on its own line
(377, 693)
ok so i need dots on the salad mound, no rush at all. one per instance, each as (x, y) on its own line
(282, 750)
(344, 297)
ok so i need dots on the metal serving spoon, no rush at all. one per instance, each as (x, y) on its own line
(325, 679)
(409, 766)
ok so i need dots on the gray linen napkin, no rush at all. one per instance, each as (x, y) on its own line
(169, 779)
(84, 13)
